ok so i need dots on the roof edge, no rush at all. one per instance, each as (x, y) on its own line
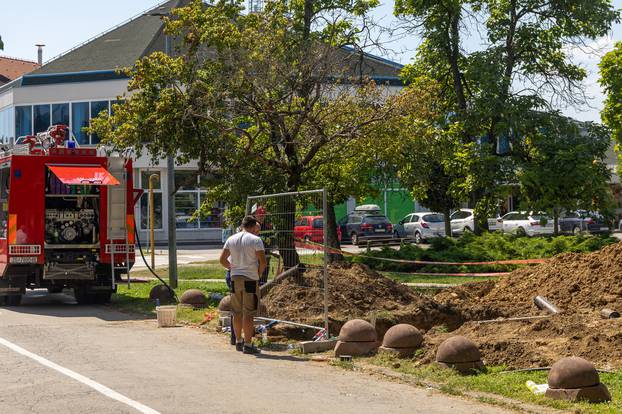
(72, 77)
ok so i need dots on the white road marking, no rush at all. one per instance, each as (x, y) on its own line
(80, 378)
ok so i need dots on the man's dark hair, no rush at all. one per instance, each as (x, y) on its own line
(249, 222)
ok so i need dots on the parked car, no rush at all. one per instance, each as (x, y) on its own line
(365, 224)
(526, 224)
(462, 221)
(311, 228)
(421, 226)
(579, 221)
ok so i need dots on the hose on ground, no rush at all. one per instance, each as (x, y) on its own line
(140, 248)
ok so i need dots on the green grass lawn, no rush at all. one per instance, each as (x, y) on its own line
(187, 272)
(452, 280)
(511, 385)
(136, 299)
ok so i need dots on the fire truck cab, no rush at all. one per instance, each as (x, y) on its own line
(66, 218)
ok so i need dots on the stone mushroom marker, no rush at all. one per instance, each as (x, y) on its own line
(356, 338)
(162, 293)
(194, 298)
(402, 339)
(225, 304)
(461, 354)
(575, 379)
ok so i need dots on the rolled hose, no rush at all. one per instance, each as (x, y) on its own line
(140, 248)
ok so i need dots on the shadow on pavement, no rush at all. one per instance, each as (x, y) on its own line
(40, 302)
(281, 357)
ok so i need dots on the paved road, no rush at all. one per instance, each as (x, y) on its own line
(56, 357)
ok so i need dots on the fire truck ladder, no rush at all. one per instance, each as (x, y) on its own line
(117, 219)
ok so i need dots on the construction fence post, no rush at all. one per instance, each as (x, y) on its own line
(326, 252)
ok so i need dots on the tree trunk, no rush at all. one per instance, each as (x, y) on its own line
(283, 224)
(447, 213)
(332, 234)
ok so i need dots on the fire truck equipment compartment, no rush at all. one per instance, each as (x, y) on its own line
(83, 175)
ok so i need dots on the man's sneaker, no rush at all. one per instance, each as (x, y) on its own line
(251, 350)
(239, 346)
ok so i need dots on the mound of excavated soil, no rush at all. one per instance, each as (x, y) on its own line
(354, 292)
(579, 284)
(573, 282)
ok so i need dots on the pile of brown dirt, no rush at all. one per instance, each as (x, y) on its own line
(354, 292)
(573, 282)
(579, 284)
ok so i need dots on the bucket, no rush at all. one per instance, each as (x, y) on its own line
(167, 316)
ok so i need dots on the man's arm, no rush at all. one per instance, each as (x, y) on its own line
(224, 259)
(261, 258)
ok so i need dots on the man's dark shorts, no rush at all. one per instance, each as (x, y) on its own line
(244, 295)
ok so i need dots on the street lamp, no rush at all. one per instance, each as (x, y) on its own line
(170, 181)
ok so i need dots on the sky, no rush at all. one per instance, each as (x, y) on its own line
(63, 24)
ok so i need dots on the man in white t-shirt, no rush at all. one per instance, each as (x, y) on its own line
(243, 254)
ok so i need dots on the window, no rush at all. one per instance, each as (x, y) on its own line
(414, 219)
(318, 223)
(144, 201)
(79, 120)
(144, 180)
(23, 121)
(5, 175)
(213, 218)
(186, 180)
(186, 204)
(42, 118)
(7, 125)
(97, 107)
(157, 211)
(60, 114)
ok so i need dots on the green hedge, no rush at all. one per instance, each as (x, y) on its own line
(487, 247)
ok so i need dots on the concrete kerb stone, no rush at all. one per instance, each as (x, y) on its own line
(575, 379)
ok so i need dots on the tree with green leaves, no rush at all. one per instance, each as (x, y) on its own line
(267, 101)
(564, 166)
(417, 144)
(611, 81)
(495, 61)
(1, 44)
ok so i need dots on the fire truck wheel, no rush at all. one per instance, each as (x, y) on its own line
(102, 297)
(13, 300)
(83, 297)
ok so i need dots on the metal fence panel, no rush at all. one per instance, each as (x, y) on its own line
(294, 235)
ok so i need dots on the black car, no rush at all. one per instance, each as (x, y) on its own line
(358, 227)
(579, 221)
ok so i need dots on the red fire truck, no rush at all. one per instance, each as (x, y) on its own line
(66, 218)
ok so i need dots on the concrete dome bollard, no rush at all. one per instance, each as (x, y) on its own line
(162, 293)
(194, 298)
(402, 339)
(461, 354)
(225, 304)
(356, 338)
(575, 379)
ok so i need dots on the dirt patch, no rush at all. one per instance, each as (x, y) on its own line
(354, 292)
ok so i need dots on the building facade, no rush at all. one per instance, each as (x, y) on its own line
(80, 84)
